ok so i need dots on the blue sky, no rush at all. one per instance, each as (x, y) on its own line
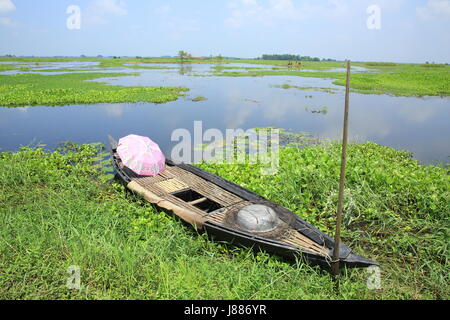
(409, 30)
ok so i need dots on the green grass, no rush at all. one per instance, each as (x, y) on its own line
(289, 86)
(397, 211)
(8, 67)
(45, 59)
(403, 81)
(130, 64)
(72, 88)
(380, 64)
(384, 77)
(309, 65)
(220, 68)
(55, 213)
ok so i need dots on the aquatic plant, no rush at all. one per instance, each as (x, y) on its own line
(381, 78)
(56, 212)
(323, 110)
(72, 88)
(199, 98)
(397, 80)
(289, 86)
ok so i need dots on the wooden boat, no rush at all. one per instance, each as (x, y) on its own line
(226, 211)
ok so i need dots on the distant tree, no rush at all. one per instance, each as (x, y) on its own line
(182, 54)
(289, 57)
(99, 56)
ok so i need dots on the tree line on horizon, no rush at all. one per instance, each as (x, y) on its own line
(291, 57)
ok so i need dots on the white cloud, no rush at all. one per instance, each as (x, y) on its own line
(6, 6)
(434, 9)
(100, 11)
(251, 12)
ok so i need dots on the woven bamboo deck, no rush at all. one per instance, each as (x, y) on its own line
(174, 180)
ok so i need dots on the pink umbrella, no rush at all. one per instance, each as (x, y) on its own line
(141, 155)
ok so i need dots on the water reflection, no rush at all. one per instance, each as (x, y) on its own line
(114, 110)
(185, 69)
(416, 114)
(418, 125)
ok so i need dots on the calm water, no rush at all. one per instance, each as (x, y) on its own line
(420, 125)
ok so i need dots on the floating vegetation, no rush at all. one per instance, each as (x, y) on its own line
(129, 64)
(199, 98)
(72, 88)
(252, 100)
(219, 68)
(381, 64)
(384, 78)
(395, 207)
(403, 80)
(289, 86)
(396, 212)
(323, 110)
(433, 65)
(9, 67)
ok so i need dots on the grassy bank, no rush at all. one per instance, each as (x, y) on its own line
(381, 78)
(73, 88)
(55, 213)
(6, 67)
(405, 80)
(397, 80)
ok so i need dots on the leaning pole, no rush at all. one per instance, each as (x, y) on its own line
(337, 240)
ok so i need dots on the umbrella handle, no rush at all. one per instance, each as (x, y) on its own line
(188, 216)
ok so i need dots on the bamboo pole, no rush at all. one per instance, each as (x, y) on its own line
(337, 240)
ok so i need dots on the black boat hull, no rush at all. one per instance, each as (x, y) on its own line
(223, 233)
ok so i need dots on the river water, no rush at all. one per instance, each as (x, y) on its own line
(420, 125)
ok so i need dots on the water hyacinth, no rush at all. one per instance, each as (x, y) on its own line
(63, 89)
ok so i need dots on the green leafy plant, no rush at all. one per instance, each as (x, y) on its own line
(73, 88)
